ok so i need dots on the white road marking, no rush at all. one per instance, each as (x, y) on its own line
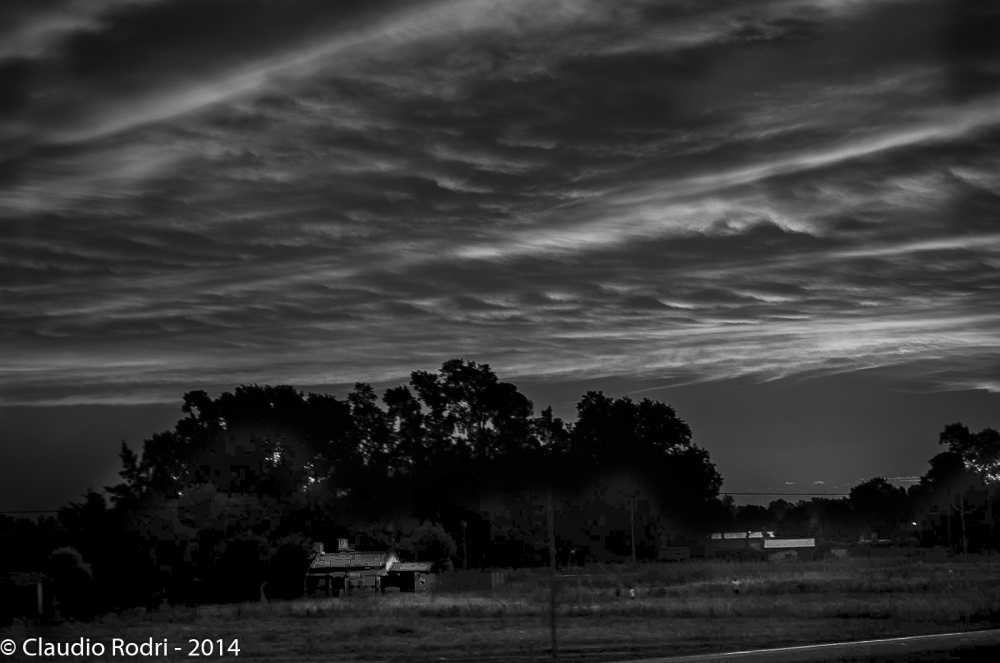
(943, 637)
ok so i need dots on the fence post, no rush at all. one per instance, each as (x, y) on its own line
(552, 571)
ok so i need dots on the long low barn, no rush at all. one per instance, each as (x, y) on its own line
(770, 544)
(777, 549)
(756, 545)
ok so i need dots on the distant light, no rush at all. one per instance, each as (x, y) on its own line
(913, 522)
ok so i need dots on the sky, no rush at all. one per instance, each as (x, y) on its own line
(780, 217)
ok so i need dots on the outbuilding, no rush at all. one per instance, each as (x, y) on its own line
(409, 576)
(778, 549)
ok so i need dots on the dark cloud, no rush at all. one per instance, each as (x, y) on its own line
(974, 48)
(318, 193)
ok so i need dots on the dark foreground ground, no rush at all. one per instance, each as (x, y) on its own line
(678, 610)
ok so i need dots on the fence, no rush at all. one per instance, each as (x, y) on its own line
(471, 580)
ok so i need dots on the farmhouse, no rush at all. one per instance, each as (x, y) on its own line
(348, 569)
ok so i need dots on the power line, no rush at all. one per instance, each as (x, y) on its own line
(726, 492)
(7, 513)
(790, 494)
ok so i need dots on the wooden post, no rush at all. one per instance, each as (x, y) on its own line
(961, 513)
(465, 549)
(552, 571)
(631, 522)
(951, 507)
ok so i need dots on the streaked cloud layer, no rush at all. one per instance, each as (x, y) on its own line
(198, 193)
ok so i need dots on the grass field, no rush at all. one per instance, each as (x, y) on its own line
(678, 609)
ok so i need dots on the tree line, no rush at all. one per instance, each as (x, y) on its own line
(454, 468)
(953, 505)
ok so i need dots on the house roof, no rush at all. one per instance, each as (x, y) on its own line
(789, 543)
(353, 560)
(421, 567)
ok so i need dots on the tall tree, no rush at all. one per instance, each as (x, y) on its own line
(935, 498)
(647, 441)
(980, 452)
(879, 505)
(462, 428)
(977, 494)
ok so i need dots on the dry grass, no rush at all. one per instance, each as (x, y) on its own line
(691, 606)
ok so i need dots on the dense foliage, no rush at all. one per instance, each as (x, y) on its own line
(454, 468)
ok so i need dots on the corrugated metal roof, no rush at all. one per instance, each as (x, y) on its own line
(422, 567)
(789, 543)
(353, 560)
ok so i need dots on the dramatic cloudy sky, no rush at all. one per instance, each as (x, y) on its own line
(779, 216)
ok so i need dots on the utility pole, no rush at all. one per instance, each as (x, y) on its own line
(552, 570)
(631, 522)
(465, 549)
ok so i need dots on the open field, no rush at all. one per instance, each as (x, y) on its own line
(678, 609)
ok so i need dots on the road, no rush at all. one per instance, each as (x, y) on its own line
(969, 646)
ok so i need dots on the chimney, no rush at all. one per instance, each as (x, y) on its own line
(342, 545)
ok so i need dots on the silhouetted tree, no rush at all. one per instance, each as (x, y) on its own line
(754, 517)
(241, 473)
(954, 501)
(288, 566)
(429, 542)
(647, 441)
(980, 454)
(879, 505)
(462, 430)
